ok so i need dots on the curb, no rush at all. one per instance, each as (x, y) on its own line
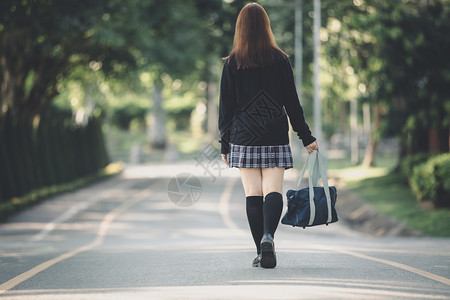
(362, 216)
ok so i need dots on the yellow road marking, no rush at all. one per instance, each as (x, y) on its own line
(420, 272)
(101, 233)
(224, 208)
(224, 204)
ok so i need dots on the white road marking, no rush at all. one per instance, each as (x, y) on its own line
(49, 227)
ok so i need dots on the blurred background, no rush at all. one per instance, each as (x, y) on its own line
(86, 84)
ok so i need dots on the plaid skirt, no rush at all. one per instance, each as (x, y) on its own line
(260, 156)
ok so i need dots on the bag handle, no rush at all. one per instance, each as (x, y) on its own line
(312, 205)
(315, 171)
(302, 173)
(311, 160)
(324, 176)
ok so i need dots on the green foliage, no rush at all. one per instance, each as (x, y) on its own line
(51, 41)
(124, 115)
(409, 42)
(181, 117)
(46, 39)
(408, 164)
(430, 181)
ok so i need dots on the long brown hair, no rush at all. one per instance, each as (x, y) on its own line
(254, 44)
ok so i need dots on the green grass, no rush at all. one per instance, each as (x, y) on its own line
(14, 205)
(386, 191)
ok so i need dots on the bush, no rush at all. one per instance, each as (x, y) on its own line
(410, 162)
(123, 116)
(430, 181)
(181, 117)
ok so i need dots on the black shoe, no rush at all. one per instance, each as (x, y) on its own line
(268, 257)
(257, 261)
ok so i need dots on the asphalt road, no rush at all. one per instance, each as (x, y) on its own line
(135, 237)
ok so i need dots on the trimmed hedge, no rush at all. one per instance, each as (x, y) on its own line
(56, 152)
(430, 181)
(410, 162)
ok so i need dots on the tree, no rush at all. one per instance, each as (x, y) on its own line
(406, 70)
(397, 53)
(42, 41)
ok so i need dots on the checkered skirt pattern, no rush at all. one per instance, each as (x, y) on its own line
(260, 156)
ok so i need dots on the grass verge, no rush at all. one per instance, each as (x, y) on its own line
(389, 195)
(12, 206)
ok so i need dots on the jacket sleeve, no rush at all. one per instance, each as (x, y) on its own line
(227, 105)
(293, 108)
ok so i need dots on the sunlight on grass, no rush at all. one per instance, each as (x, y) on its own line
(113, 168)
(358, 173)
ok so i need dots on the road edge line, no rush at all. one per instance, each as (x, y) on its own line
(417, 271)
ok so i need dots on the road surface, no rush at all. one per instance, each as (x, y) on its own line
(135, 237)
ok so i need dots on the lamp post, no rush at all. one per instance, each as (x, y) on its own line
(298, 49)
(317, 102)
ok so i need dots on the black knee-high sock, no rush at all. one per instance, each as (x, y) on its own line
(254, 208)
(272, 208)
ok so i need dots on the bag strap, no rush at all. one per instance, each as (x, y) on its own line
(324, 176)
(312, 205)
(315, 159)
(315, 174)
(302, 173)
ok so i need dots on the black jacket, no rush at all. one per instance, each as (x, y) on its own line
(254, 103)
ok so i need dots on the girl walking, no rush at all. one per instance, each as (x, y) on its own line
(257, 96)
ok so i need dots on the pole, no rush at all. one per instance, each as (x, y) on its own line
(317, 103)
(298, 49)
(354, 131)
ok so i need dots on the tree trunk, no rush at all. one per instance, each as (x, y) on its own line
(212, 109)
(8, 87)
(433, 141)
(157, 127)
(354, 147)
(366, 120)
(343, 116)
(449, 131)
(372, 144)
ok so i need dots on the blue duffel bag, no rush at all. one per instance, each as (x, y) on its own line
(313, 205)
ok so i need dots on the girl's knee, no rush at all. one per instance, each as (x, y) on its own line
(253, 192)
(267, 191)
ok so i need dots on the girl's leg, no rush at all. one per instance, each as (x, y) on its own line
(272, 186)
(251, 180)
(272, 183)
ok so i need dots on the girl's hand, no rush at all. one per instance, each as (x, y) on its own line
(225, 158)
(311, 147)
